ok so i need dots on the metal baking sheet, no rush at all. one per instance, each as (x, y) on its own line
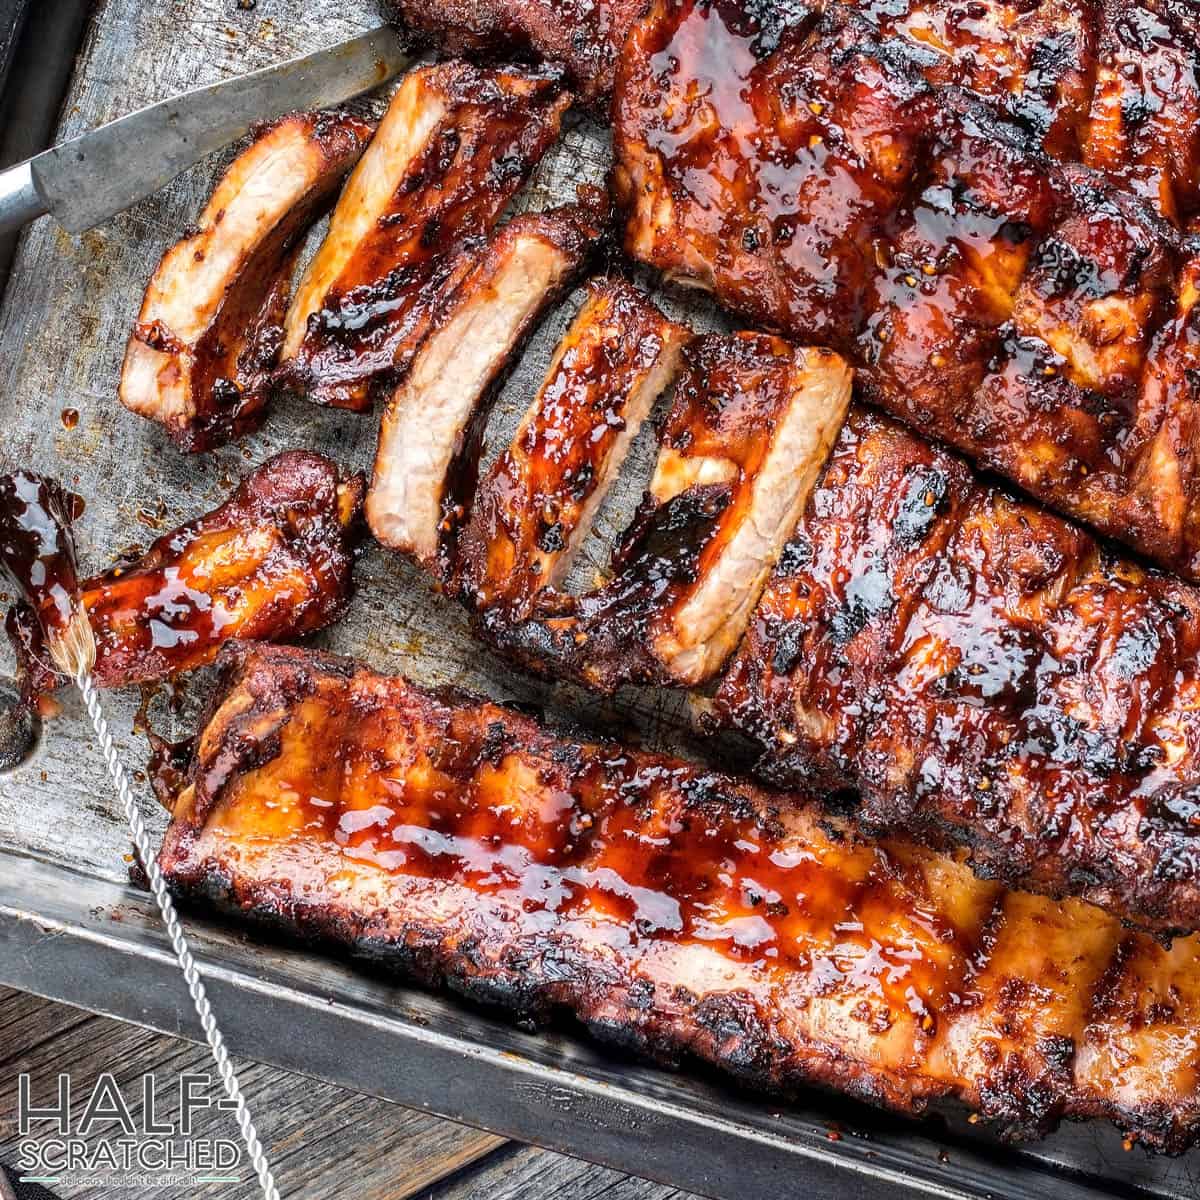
(73, 929)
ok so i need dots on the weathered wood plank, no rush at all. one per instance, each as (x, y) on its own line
(518, 1172)
(323, 1142)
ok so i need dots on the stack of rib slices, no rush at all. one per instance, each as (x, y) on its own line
(970, 864)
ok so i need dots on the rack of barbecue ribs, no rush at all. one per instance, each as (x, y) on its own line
(454, 147)
(200, 356)
(1110, 83)
(1024, 311)
(672, 910)
(429, 434)
(980, 674)
(274, 562)
(827, 176)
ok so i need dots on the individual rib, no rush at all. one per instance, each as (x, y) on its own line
(455, 146)
(536, 505)
(751, 424)
(273, 562)
(672, 910)
(981, 674)
(995, 300)
(200, 355)
(425, 461)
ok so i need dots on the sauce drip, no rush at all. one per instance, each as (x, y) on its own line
(36, 548)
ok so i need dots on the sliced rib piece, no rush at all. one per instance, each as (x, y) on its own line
(537, 503)
(670, 909)
(982, 674)
(208, 331)
(747, 435)
(585, 36)
(427, 439)
(272, 563)
(993, 299)
(455, 146)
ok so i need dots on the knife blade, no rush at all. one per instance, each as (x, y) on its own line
(90, 178)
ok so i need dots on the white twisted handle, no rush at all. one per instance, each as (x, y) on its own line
(187, 963)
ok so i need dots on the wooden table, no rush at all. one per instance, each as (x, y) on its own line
(323, 1142)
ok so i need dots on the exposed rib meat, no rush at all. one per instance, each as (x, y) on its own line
(1002, 303)
(272, 563)
(752, 422)
(981, 674)
(209, 326)
(671, 910)
(584, 35)
(455, 145)
(537, 503)
(425, 462)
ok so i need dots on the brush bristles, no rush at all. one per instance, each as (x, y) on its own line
(74, 649)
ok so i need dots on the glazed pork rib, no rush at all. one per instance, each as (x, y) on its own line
(200, 355)
(752, 421)
(672, 910)
(273, 562)
(428, 437)
(455, 146)
(981, 674)
(1010, 306)
(536, 505)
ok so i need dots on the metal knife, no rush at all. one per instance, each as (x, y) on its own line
(92, 177)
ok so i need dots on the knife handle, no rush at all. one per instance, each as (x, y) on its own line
(20, 201)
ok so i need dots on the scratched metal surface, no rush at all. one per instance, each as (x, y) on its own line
(63, 326)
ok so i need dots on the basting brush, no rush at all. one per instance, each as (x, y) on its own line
(37, 552)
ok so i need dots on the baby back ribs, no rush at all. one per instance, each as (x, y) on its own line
(455, 146)
(428, 437)
(200, 355)
(751, 424)
(670, 909)
(981, 674)
(1015, 308)
(273, 562)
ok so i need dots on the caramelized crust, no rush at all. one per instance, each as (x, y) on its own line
(455, 146)
(1144, 125)
(536, 505)
(1111, 83)
(671, 910)
(1006, 305)
(981, 674)
(585, 36)
(200, 355)
(429, 436)
(751, 424)
(273, 563)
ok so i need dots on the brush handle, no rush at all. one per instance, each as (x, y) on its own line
(158, 885)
